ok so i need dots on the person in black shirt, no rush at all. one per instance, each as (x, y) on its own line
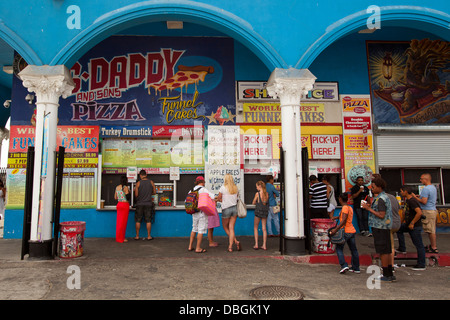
(413, 225)
(360, 192)
(145, 208)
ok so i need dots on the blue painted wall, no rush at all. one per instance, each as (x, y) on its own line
(102, 223)
(298, 30)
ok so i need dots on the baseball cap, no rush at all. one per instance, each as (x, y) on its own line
(199, 178)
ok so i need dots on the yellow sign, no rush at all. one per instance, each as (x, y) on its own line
(358, 142)
(69, 161)
(271, 113)
(356, 105)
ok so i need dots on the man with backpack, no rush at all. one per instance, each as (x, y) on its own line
(199, 218)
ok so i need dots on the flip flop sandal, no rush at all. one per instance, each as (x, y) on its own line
(203, 251)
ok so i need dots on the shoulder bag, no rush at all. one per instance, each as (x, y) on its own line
(241, 208)
(338, 237)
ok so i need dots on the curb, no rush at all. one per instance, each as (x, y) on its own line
(441, 259)
(364, 260)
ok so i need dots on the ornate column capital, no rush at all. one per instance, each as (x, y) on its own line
(290, 83)
(48, 82)
(4, 134)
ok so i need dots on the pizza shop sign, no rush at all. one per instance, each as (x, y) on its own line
(107, 79)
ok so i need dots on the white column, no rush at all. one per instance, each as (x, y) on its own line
(48, 83)
(289, 85)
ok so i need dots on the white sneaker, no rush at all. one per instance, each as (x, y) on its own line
(343, 270)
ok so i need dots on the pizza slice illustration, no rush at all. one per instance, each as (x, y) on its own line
(185, 76)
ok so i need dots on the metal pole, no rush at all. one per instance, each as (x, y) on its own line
(27, 205)
(59, 182)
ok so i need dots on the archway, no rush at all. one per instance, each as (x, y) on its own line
(430, 20)
(146, 12)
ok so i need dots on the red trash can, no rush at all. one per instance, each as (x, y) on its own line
(319, 229)
(71, 239)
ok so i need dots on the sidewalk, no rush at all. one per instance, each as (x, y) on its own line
(107, 248)
(163, 269)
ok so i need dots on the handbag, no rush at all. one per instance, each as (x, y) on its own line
(241, 208)
(206, 204)
(337, 238)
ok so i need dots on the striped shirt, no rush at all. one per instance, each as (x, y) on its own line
(318, 191)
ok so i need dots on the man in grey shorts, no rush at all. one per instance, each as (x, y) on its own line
(145, 208)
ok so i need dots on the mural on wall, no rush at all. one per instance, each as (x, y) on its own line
(410, 81)
(144, 80)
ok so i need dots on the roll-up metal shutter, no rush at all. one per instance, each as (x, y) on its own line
(413, 150)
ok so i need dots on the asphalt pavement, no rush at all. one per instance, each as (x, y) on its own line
(163, 269)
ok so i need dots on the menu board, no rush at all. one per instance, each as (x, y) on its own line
(156, 153)
(224, 145)
(80, 165)
(79, 188)
(224, 157)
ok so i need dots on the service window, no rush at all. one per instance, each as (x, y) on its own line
(183, 186)
(396, 177)
(412, 178)
(393, 178)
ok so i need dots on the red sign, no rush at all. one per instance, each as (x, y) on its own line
(76, 139)
(357, 123)
(169, 131)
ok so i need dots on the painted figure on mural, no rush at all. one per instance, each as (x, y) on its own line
(424, 59)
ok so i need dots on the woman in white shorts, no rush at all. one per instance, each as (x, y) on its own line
(228, 196)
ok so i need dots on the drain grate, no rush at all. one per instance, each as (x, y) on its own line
(276, 293)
